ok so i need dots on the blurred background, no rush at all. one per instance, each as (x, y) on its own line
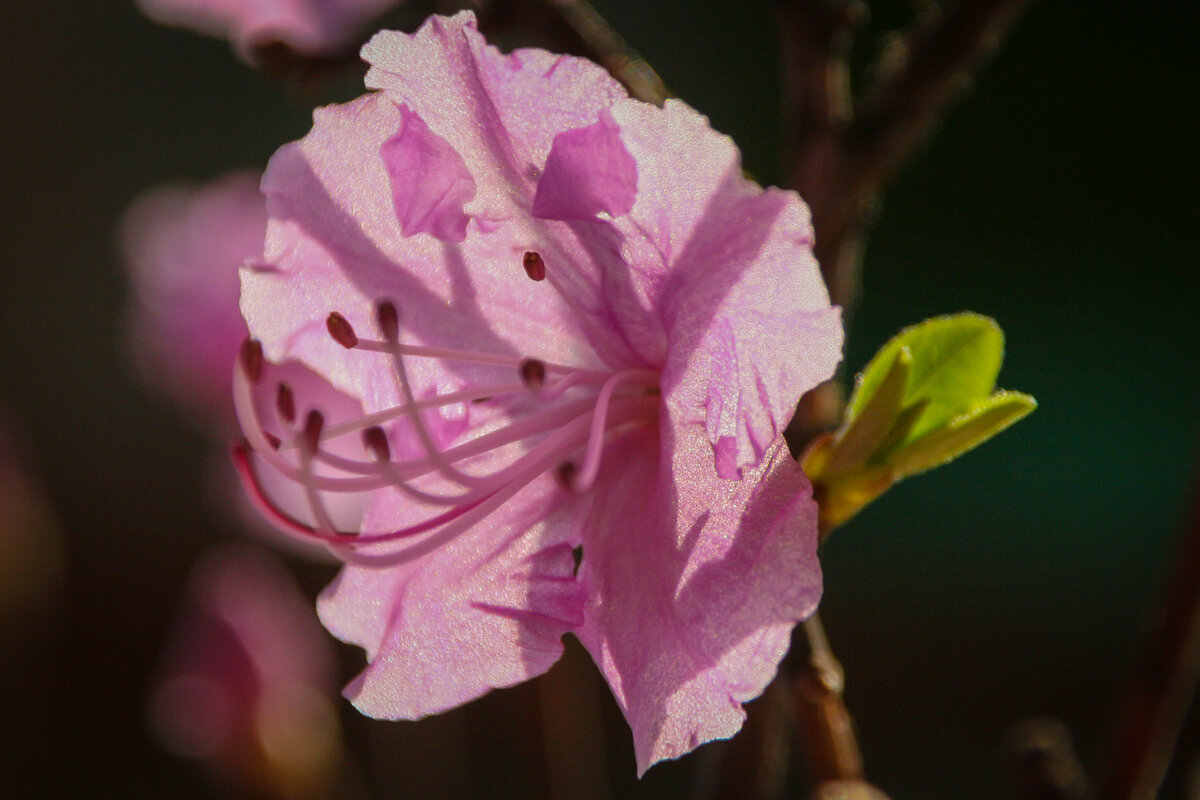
(1059, 198)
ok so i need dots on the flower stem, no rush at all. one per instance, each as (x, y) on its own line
(841, 153)
(612, 51)
(818, 679)
(1164, 681)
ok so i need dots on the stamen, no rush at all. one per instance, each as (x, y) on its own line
(570, 437)
(404, 410)
(311, 440)
(535, 267)
(467, 509)
(473, 356)
(376, 442)
(565, 475)
(311, 437)
(285, 403)
(533, 374)
(251, 358)
(341, 330)
(389, 321)
(389, 324)
(591, 458)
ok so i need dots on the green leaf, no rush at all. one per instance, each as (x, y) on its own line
(954, 363)
(984, 420)
(861, 435)
(927, 397)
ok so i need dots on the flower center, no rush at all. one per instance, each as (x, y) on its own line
(575, 411)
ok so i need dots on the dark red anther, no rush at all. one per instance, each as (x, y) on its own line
(388, 319)
(535, 268)
(285, 402)
(376, 442)
(251, 356)
(341, 330)
(313, 424)
(533, 374)
(565, 475)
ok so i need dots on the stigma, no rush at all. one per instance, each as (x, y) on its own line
(543, 418)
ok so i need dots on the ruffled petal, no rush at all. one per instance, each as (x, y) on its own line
(587, 172)
(486, 611)
(728, 266)
(694, 584)
(334, 244)
(502, 114)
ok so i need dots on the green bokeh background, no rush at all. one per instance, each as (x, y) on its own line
(1059, 198)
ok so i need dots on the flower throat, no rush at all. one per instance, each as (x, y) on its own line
(577, 409)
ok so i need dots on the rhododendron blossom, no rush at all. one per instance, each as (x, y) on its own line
(183, 246)
(577, 333)
(312, 27)
(245, 682)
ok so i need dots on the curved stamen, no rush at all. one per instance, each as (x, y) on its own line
(591, 458)
(404, 409)
(310, 437)
(268, 447)
(562, 441)
(564, 428)
(450, 531)
(472, 356)
(262, 501)
(344, 334)
(389, 324)
(529, 470)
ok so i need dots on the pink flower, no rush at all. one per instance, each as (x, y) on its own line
(577, 331)
(183, 246)
(245, 684)
(311, 27)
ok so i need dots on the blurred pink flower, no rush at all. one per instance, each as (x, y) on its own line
(583, 333)
(311, 27)
(183, 245)
(246, 681)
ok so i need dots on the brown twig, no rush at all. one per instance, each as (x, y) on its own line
(906, 104)
(612, 51)
(817, 679)
(1164, 682)
(816, 39)
(840, 157)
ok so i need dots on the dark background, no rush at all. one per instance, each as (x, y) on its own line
(1059, 198)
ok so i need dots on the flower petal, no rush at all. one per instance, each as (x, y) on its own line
(430, 182)
(693, 598)
(334, 244)
(747, 324)
(588, 171)
(487, 610)
(502, 114)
